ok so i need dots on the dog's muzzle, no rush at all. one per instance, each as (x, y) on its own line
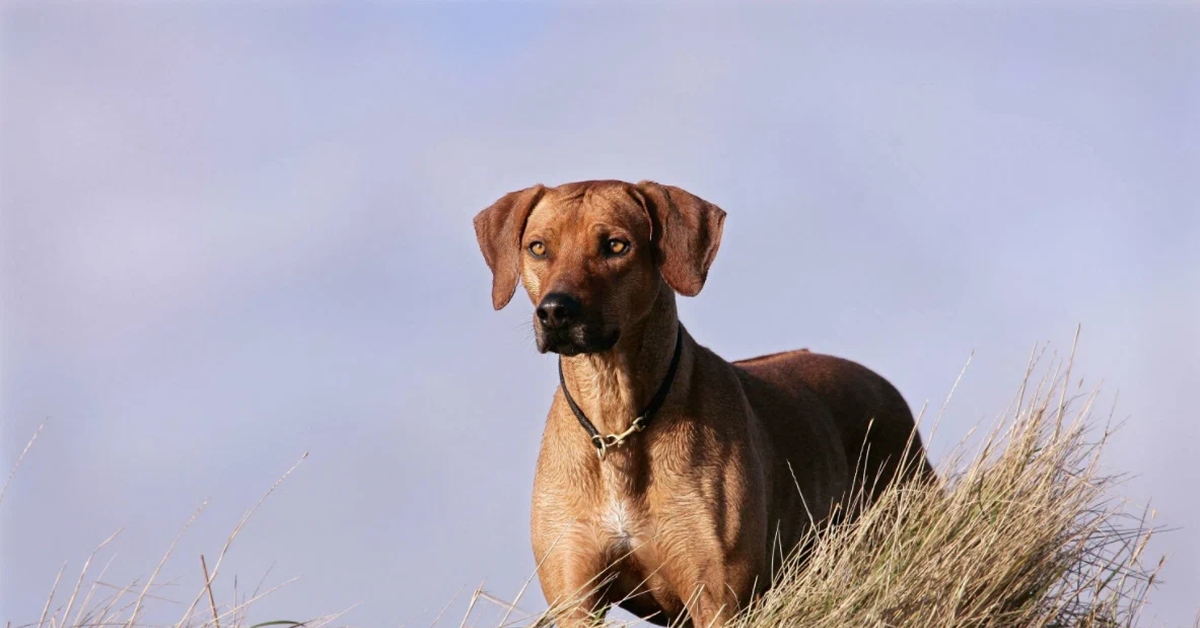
(561, 327)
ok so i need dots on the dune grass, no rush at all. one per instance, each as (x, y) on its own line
(1022, 530)
(93, 602)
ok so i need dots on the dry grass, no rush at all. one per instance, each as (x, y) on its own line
(1023, 531)
(93, 602)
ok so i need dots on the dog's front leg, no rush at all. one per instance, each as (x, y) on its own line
(715, 577)
(712, 601)
(572, 575)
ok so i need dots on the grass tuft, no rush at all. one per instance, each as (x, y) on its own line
(1023, 532)
(93, 603)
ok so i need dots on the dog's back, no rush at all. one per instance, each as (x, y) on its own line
(865, 409)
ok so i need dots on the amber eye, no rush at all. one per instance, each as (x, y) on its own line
(538, 249)
(616, 247)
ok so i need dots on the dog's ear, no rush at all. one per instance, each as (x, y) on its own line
(686, 231)
(498, 229)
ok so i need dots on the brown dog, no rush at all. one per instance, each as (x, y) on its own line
(668, 476)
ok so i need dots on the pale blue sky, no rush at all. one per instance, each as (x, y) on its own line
(232, 233)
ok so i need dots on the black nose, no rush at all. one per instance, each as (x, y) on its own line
(558, 310)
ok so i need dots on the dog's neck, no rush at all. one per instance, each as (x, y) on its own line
(613, 386)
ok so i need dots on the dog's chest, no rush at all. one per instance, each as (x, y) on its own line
(621, 517)
(616, 520)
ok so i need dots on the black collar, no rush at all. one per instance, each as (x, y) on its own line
(603, 442)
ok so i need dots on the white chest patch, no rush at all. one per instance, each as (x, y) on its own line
(616, 519)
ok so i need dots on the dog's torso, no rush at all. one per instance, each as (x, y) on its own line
(718, 474)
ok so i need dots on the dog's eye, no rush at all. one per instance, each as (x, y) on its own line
(538, 249)
(616, 247)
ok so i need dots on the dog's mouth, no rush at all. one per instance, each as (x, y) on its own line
(576, 340)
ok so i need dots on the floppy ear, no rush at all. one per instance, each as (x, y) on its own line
(686, 233)
(498, 229)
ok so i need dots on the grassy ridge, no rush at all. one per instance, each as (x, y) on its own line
(1025, 532)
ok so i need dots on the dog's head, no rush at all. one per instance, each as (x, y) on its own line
(594, 255)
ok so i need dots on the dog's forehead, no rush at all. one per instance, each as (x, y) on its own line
(588, 203)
